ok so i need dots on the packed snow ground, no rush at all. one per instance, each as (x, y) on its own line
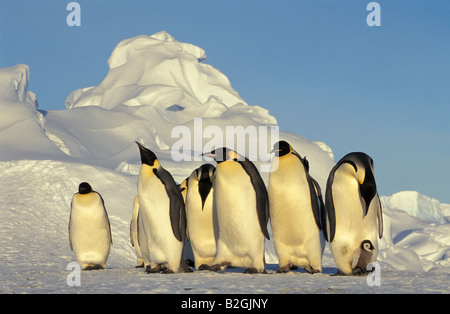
(156, 83)
(35, 249)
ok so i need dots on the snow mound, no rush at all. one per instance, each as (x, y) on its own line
(14, 83)
(21, 125)
(158, 71)
(418, 205)
(416, 232)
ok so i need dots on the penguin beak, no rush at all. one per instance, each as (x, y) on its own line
(275, 150)
(361, 181)
(140, 146)
(210, 154)
(147, 156)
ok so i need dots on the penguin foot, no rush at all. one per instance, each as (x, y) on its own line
(355, 272)
(139, 266)
(253, 270)
(94, 267)
(203, 267)
(167, 271)
(361, 271)
(340, 273)
(155, 270)
(311, 270)
(214, 268)
(285, 269)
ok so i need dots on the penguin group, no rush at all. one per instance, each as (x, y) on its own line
(221, 215)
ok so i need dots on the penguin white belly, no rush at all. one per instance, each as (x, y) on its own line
(295, 233)
(240, 240)
(352, 228)
(89, 231)
(162, 246)
(134, 231)
(142, 238)
(201, 228)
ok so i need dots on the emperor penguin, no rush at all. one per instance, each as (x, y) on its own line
(354, 213)
(241, 205)
(296, 211)
(199, 215)
(89, 228)
(134, 236)
(162, 219)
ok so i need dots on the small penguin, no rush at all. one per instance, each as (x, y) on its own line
(241, 203)
(353, 214)
(199, 214)
(134, 233)
(89, 228)
(296, 208)
(162, 219)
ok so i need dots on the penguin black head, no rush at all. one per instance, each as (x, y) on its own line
(367, 246)
(84, 188)
(147, 156)
(205, 172)
(365, 256)
(223, 154)
(363, 172)
(204, 175)
(281, 148)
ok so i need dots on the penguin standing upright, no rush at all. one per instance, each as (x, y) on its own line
(354, 213)
(295, 211)
(162, 220)
(240, 201)
(134, 235)
(199, 215)
(89, 228)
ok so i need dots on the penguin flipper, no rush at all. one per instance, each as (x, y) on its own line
(70, 238)
(330, 229)
(131, 233)
(315, 192)
(177, 211)
(107, 218)
(137, 230)
(380, 217)
(318, 206)
(109, 229)
(262, 197)
(70, 232)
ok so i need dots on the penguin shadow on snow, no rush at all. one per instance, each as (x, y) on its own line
(271, 269)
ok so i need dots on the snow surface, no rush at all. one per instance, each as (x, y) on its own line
(154, 84)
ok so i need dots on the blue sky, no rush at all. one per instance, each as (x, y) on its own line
(316, 65)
